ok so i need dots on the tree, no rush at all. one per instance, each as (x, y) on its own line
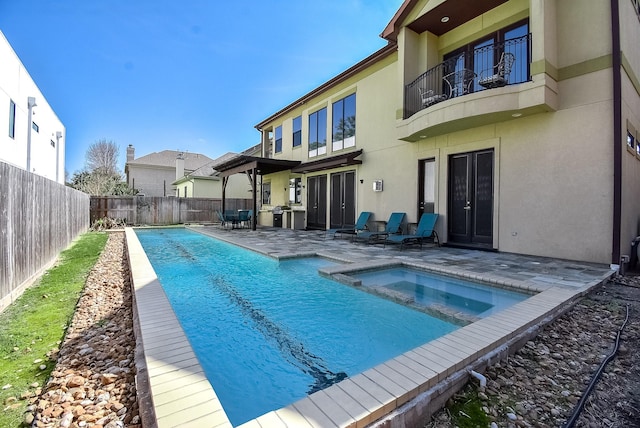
(102, 157)
(101, 176)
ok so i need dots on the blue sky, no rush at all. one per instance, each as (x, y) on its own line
(194, 75)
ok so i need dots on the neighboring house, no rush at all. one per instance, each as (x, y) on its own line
(153, 174)
(517, 121)
(205, 182)
(31, 136)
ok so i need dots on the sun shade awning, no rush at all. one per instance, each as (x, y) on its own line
(344, 159)
(262, 166)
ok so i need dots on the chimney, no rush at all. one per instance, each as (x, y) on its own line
(130, 153)
(180, 166)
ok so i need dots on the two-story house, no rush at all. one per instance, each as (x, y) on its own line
(154, 174)
(516, 120)
(32, 137)
(205, 182)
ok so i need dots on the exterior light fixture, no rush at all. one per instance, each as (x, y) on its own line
(516, 115)
(444, 19)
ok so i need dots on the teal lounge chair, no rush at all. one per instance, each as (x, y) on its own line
(424, 231)
(394, 225)
(361, 225)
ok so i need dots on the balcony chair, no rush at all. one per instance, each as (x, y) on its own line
(423, 231)
(429, 97)
(498, 75)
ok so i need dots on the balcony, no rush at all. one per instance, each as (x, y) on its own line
(484, 68)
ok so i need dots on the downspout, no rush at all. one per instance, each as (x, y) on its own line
(617, 132)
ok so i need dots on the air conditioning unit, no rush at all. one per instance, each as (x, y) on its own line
(377, 185)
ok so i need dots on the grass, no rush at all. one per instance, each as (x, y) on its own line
(466, 409)
(32, 328)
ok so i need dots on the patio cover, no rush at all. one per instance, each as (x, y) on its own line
(252, 166)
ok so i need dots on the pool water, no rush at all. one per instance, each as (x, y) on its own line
(268, 333)
(456, 295)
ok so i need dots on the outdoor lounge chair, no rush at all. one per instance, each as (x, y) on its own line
(361, 225)
(424, 231)
(498, 75)
(394, 225)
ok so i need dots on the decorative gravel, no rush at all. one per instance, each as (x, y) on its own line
(93, 383)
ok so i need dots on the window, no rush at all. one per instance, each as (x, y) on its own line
(12, 119)
(185, 191)
(279, 139)
(295, 190)
(53, 143)
(318, 133)
(297, 131)
(429, 185)
(631, 142)
(35, 126)
(344, 123)
(266, 193)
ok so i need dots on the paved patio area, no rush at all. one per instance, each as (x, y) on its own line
(402, 389)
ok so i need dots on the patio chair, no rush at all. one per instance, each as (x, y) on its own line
(498, 75)
(221, 218)
(429, 97)
(361, 225)
(393, 226)
(244, 218)
(423, 231)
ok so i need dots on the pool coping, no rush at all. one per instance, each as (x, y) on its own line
(402, 388)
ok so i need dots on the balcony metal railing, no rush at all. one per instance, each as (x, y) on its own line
(480, 69)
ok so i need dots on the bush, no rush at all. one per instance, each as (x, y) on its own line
(106, 223)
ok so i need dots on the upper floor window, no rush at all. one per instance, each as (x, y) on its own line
(318, 133)
(53, 143)
(297, 131)
(344, 123)
(12, 119)
(631, 141)
(279, 139)
(35, 126)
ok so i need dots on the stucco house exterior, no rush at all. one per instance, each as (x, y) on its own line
(205, 182)
(155, 173)
(516, 120)
(32, 136)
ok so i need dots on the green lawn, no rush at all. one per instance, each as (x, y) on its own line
(35, 324)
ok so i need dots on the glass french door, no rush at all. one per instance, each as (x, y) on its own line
(342, 200)
(471, 198)
(317, 202)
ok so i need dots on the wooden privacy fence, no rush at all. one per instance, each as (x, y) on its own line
(38, 219)
(158, 210)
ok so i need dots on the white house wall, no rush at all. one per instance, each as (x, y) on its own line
(47, 150)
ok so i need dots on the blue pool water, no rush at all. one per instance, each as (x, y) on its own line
(426, 289)
(268, 333)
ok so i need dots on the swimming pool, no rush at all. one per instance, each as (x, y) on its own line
(268, 333)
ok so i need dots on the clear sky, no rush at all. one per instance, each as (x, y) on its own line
(193, 75)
